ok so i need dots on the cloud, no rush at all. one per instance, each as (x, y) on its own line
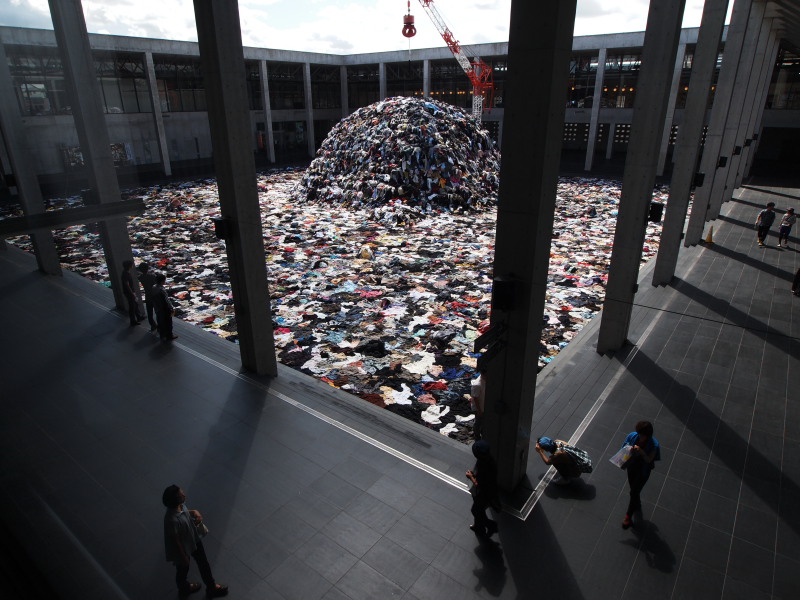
(346, 27)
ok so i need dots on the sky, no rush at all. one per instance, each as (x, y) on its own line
(335, 26)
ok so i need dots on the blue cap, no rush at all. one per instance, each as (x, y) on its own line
(547, 444)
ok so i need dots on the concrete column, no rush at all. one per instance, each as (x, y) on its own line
(263, 75)
(533, 130)
(687, 146)
(381, 81)
(612, 127)
(24, 169)
(344, 92)
(220, 40)
(673, 95)
(751, 114)
(84, 89)
(754, 43)
(312, 146)
(158, 116)
(649, 114)
(712, 148)
(758, 129)
(426, 78)
(596, 97)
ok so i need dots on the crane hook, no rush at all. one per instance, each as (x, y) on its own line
(408, 26)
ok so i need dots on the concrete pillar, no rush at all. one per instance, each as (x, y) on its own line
(712, 148)
(757, 130)
(673, 95)
(311, 144)
(84, 89)
(345, 96)
(612, 127)
(539, 47)
(596, 97)
(263, 75)
(24, 169)
(753, 107)
(158, 116)
(426, 78)
(220, 40)
(649, 113)
(754, 43)
(381, 81)
(687, 146)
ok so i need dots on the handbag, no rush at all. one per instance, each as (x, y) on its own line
(581, 457)
(201, 528)
(621, 458)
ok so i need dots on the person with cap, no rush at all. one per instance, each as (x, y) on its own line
(764, 221)
(484, 489)
(563, 461)
(785, 227)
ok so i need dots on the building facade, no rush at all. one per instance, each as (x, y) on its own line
(153, 95)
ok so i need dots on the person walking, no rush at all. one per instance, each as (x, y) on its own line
(183, 541)
(484, 489)
(764, 221)
(645, 450)
(131, 293)
(148, 281)
(785, 227)
(164, 309)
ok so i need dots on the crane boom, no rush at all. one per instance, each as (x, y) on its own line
(479, 73)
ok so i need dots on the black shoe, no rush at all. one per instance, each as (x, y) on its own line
(218, 591)
(193, 587)
(478, 530)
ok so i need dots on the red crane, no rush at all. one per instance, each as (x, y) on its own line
(479, 73)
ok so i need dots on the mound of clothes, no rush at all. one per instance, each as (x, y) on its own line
(405, 157)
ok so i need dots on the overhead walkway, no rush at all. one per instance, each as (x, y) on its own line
(310, 493)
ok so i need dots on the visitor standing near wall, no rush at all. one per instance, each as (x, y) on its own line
(484, 489)
(130, 292)
(764, 221)
(164, 309)
(645, 450)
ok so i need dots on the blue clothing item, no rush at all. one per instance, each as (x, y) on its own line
(651, 445)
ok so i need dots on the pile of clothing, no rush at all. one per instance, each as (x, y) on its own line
(405, 157)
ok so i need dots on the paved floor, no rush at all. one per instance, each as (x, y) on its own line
(310, 493)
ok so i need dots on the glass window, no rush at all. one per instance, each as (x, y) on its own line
(286, 89)
(449, 83)
(38, 80)
(404, 78)
(619, 82)
(180, 83)
(326, 89)
(363, 85)
(784, 89)
(582, 75)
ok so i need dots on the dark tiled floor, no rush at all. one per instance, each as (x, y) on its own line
(310, 493)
